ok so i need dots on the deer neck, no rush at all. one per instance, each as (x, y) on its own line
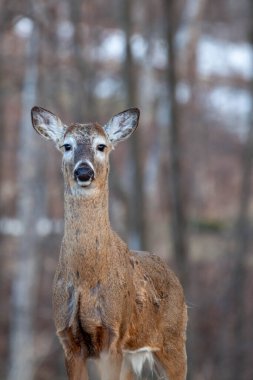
(87, 221)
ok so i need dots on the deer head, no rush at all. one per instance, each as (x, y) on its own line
(85, 147)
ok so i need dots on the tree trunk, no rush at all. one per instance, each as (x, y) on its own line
(84, 105)
(193, 15)
(137, 228)
(24, 284)
(243, 234)
(238, 287)
(175, 185)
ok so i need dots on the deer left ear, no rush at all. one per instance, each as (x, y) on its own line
(122, 125)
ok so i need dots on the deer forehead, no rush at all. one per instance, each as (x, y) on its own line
(89, 134)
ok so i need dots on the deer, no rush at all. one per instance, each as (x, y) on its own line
(123, 309)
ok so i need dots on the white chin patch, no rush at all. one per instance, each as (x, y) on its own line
(84, 183)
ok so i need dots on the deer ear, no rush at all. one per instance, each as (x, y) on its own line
(47, 124)
(122, 125)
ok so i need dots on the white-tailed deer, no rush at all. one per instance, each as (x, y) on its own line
(120, 307)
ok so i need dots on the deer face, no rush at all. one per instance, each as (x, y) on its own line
(85, 163)
(85, 147)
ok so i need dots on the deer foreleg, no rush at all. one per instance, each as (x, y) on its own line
(109, 366)
(75, 358)
(76, 368)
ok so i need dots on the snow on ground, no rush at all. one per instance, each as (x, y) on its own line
(223, 58)
(214, 57)
(233, 106)
(23, 27)
(226, 59)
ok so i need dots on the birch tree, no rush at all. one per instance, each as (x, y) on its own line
(28, 208)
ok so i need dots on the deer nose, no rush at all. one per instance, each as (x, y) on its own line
(84, 173)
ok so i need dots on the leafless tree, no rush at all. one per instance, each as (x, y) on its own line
(239, 275)
(175, 185)
(137, 228)
(29, 207)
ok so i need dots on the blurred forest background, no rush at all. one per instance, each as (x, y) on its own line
(180, 187)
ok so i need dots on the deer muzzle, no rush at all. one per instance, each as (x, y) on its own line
(84, 174)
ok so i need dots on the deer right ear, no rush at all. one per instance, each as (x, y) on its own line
(47, 124)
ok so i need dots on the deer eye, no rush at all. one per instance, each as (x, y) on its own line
(101, 147)
(67, 147)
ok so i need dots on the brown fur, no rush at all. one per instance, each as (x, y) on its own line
(107, 299)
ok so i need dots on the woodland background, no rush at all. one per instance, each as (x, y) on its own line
(180, 187)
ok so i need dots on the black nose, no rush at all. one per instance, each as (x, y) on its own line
(84, 173)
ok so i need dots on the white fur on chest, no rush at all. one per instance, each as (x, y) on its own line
(133, 361)
(137, 358)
